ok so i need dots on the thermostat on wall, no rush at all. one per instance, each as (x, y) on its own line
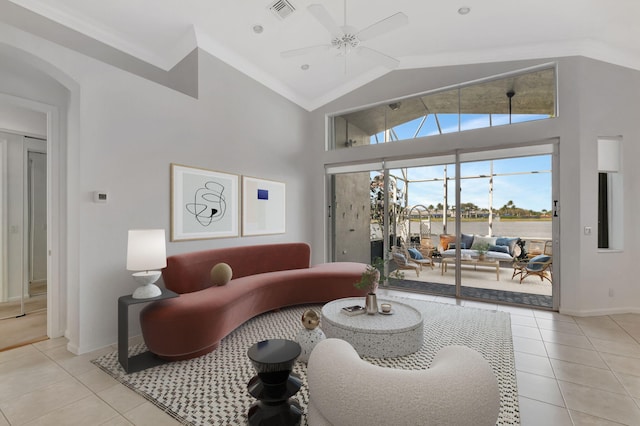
(100, 196)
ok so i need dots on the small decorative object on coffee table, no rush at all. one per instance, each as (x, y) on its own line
(370, 279)
(310, 335)
(275, 384)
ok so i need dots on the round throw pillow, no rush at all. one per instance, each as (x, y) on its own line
(221, 274)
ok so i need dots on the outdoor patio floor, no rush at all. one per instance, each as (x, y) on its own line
(479, 283)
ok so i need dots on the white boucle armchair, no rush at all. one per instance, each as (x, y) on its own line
(459, 388)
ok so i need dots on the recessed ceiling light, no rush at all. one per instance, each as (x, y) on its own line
(464, 10)
(304, 67)
(258, 29)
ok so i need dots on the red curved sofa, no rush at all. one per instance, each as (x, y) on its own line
(265, 277)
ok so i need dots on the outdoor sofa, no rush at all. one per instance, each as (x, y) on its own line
(498, 248)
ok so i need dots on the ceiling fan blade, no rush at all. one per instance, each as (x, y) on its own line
(388, 24)
(320, 13)
(379, 57)
(304, 50)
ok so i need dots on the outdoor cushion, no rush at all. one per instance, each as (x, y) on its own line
(501, 249)
(400, 258)
(452, 246)
(415, 254)
(466, 241)
(477, 240)
(494, 255)
(509, 242)
(445, 240)
(537, 263)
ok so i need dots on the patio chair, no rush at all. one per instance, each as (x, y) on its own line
(539, 265)
(419, 255)
(402, 260)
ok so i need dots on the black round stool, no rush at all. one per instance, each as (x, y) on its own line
(275, 384)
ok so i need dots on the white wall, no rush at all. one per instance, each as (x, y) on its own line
(133, 129)
(122, 134)
(595, 99)
(23, 121)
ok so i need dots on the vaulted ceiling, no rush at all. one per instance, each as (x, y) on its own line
(249, 36)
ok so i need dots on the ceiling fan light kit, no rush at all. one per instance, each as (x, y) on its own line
(347, 39)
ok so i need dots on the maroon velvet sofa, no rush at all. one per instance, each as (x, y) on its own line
(265, 277)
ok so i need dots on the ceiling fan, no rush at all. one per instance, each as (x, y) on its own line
(347, 39)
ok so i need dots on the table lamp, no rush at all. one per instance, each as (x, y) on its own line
(146, 251)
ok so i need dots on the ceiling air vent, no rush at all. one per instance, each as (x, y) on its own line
(282, 8)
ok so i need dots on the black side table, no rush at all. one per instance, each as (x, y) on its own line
(145, 359)
(275, 384)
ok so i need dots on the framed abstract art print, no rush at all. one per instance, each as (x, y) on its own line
(204, 203)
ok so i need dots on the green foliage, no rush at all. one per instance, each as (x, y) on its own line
(373, 275)
(481, 248)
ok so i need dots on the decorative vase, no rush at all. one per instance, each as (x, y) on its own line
(310, 335)
(371, 304)
(481, 257)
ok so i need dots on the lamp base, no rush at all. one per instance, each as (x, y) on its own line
(147, 291)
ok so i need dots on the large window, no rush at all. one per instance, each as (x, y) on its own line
(497, 101)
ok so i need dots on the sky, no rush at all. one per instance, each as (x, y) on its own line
(527, 191)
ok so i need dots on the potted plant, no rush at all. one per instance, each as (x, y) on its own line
(482, 249)
(370, 279)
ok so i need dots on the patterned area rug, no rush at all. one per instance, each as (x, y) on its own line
(211, 389)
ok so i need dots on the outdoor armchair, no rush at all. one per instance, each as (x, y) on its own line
(539, 265)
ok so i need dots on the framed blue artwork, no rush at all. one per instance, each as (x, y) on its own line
(263, 206)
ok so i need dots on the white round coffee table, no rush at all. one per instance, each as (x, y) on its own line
(377, 336)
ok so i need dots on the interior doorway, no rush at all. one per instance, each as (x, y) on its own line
(36, 199)
(24, 252)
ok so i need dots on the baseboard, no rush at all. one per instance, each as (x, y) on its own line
(599, 312)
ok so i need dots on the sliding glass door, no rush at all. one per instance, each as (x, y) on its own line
(506, 229)
(477, 245)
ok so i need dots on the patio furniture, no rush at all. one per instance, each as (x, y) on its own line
(499, 248)
(539, 265)
(402, 261)
(427, 249)
(417, 256)
(475, 262)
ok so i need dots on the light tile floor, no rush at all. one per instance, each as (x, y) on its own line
(570, 370)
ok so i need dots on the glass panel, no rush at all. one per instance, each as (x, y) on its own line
(361, 128)
(494, 102)
(444, 105)
(524, 97)
(502, 197)
(429, 193)
(504, 201)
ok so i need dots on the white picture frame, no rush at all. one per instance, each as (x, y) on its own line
(204, 203)
(263, 206)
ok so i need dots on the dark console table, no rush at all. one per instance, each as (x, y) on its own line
(275, 384)
(146, 359)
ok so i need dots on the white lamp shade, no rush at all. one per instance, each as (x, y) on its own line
(146, 250)
(608, 155)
